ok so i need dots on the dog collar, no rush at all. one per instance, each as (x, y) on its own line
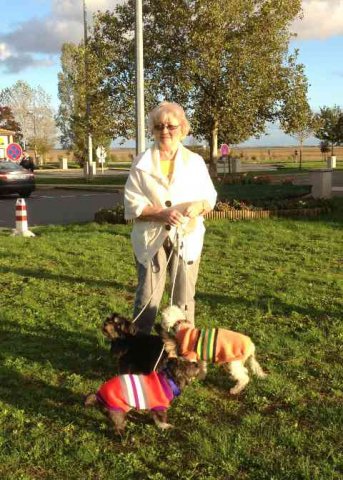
(174, 387)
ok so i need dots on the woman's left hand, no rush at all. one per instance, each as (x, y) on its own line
(194, 209)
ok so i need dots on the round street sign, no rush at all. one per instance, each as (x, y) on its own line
(14, 151)
(224, 150)
(101, 152)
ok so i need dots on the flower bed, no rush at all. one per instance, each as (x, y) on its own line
(276, 204)
(257, 214)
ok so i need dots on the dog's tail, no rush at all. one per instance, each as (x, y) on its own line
(255, 366)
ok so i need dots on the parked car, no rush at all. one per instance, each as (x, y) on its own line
(16, 179)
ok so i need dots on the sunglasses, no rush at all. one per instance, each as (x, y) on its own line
(161, 127)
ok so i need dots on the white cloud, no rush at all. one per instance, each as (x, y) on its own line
(17, 63)
(321, 19)
(44, 36)
(4, 51)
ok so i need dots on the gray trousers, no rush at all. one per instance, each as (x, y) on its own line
(152, 281)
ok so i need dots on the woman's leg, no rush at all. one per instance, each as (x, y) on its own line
(183, 278)
(151, 283)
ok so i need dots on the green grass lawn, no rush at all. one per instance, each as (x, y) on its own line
(279, 281)
(106, 180)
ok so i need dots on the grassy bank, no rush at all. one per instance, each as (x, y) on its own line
(108, 180)
(276, 280)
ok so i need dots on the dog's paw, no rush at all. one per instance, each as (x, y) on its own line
(165, 426)
(201, 375)
(235, 390)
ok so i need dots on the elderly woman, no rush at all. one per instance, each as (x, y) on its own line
(167, 193)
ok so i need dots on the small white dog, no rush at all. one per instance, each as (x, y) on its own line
(217, 345)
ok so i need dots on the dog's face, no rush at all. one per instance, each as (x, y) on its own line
(171, 316)
(116, 326)
(183, 371)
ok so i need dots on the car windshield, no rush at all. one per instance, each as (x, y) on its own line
(9, 166)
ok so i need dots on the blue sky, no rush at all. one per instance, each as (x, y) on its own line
(33, 31)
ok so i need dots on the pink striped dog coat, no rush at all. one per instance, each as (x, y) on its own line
(142, 392)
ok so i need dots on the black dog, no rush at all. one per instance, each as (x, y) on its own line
(137, 353)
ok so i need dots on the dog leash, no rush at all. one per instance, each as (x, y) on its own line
(152, 294)
(179, 244)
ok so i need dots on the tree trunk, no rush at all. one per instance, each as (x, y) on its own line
(213, 148)
(301, 154)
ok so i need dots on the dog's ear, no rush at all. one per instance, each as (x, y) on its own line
(158, 328)
(132, 329)
(173, 363)
(170, 344)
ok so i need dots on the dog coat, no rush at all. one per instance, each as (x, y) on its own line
(216, 345)
(142, 392)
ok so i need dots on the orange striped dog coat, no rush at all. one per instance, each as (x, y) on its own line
(216, 345)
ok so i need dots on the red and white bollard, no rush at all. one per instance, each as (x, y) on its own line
(21, 227)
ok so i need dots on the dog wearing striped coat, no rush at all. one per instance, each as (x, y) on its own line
(153, 392)
(233, 350)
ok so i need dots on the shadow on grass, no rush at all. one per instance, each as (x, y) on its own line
(58, 404)
(266, 304)
(84, 229)
(67, 352)
(72, 359)
(47, 275)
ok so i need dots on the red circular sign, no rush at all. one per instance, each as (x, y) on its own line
(224, 149)
(14, 151)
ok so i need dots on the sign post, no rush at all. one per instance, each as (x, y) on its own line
(14, 152)
(224, 152)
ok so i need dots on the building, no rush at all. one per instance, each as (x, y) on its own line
(6, 137)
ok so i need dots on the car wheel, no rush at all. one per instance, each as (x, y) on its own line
(25, 194)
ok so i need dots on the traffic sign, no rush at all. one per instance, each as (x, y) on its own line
(224, 150)
(14, 151)
(101, 153)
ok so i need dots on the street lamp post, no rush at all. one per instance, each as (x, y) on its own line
(140, 128)
(88, 109)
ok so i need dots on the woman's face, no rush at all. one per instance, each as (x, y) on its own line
(167, 131)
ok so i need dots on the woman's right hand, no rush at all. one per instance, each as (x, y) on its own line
(169, 216)
(172, 217)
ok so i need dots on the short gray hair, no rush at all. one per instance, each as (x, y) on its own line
(166, 108)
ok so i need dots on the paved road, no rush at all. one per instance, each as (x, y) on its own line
(58, 207)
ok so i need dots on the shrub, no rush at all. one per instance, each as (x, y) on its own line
(110, 215)
(287, 181)
(262, 179)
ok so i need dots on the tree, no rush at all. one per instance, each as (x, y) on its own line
(8, 122)
(297, 118)
(204, 55)
(324, 148)
(73, 120)
(32, 110)
(330, 129)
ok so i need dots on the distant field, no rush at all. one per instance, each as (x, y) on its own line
(252, 155)
(247, 155)
(283, 154)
